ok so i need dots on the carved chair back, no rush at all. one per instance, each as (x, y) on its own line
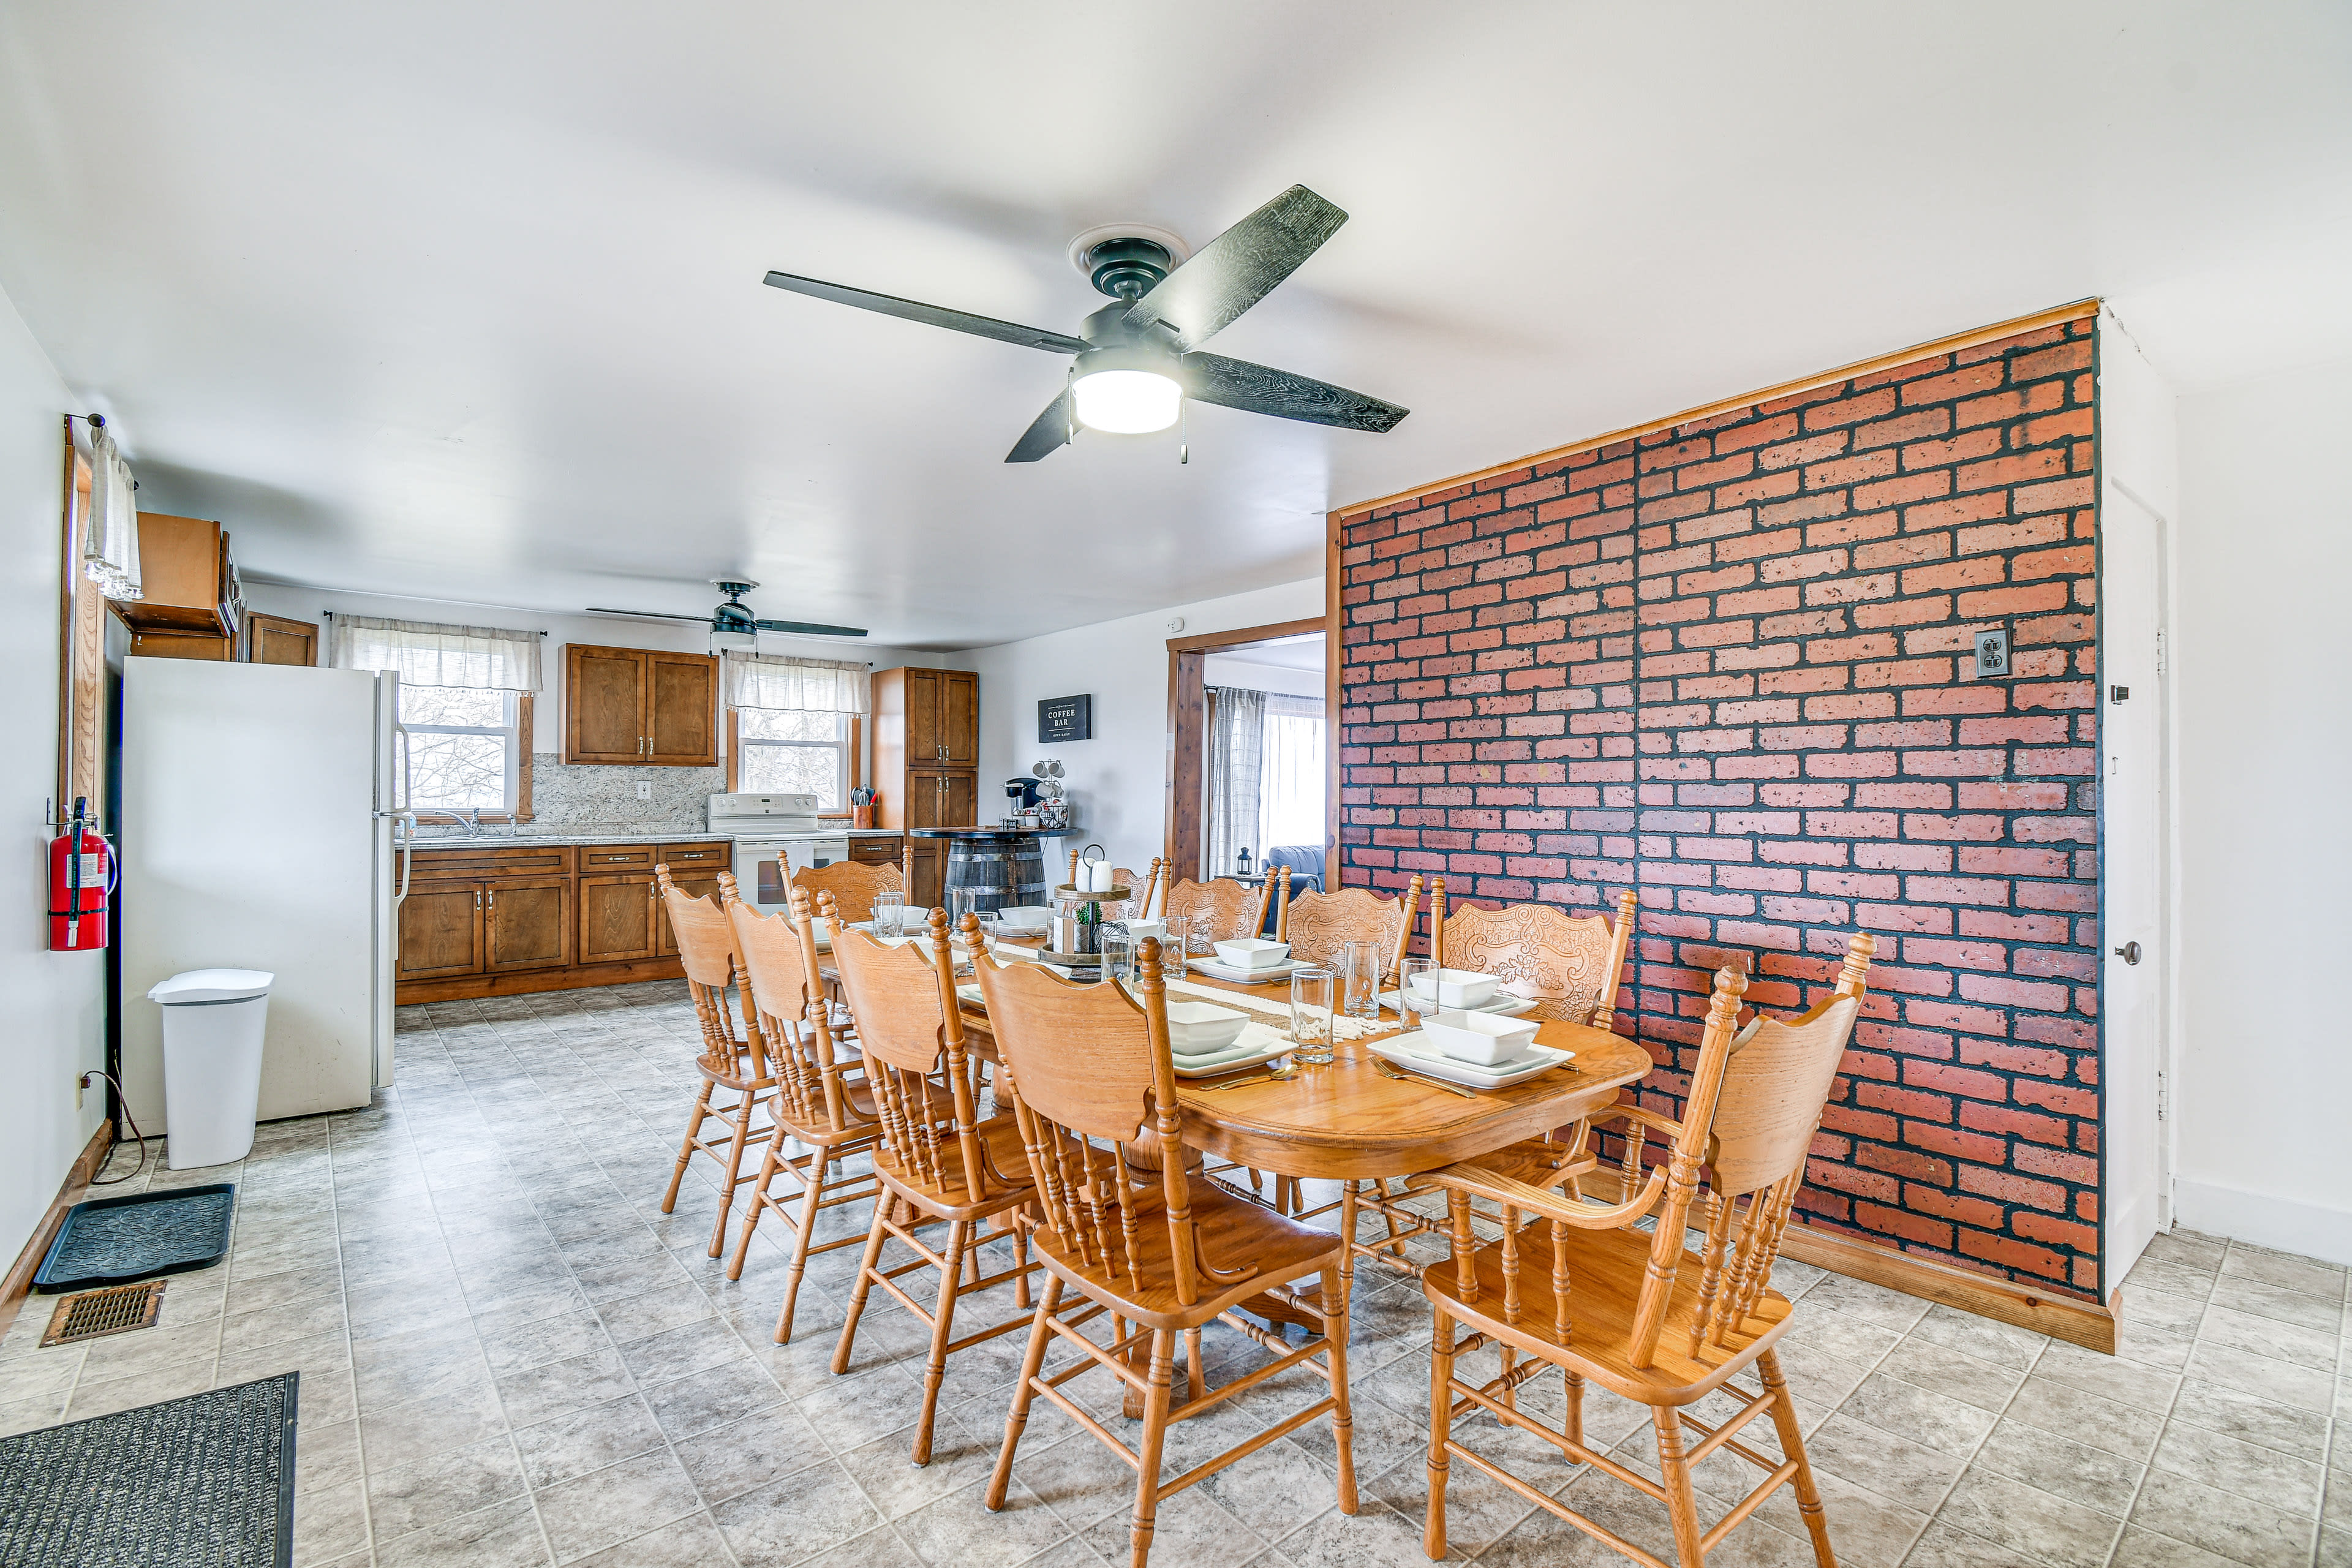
(1568, 965)
(1222, 909)
(1087, 1066)
(852, 883)
(1315, 924)
(784, 1007)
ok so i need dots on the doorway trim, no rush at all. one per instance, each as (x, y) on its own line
(1187, 729)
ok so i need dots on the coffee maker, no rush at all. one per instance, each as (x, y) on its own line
(1021, 801)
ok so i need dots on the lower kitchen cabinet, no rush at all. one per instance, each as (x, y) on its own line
(440, 930)
(527, 924)
(487, 919)
(617, 917)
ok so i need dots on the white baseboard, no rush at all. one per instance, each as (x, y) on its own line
(2266, 1219)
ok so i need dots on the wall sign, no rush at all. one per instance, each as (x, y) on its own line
(1066, 718)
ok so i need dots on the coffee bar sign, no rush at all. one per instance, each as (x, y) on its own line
(1066, 718)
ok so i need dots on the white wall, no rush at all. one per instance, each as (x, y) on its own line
(2264, 551)
(1228, 669)
(676, 636)
(55, 1001)
(1120, 777)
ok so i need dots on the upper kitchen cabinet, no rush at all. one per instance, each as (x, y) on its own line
(641, 707)
(276, 639)
(188, 580)
(926, 747)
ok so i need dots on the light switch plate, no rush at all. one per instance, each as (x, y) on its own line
(644, 790)
(1992, 654)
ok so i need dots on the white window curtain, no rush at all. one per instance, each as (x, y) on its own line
(424, 652)
(110, 538)
(1291, 772)
(1236, 742)
(796, 685)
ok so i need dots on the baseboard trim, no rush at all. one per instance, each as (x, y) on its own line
(2266, 1219)
(76, 1186)
(2083, 1323)
(524, 981)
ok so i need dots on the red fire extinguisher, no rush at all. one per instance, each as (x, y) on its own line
(81, 880)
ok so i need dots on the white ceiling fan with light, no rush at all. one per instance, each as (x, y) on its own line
(1139, 357)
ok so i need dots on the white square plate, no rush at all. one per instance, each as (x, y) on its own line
(1259, 1043)
(1418, 1052)
(1503, 1003)
(1216, 969)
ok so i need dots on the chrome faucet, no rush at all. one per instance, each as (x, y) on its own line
(472, 817)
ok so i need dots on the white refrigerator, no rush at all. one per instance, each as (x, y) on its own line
(257, 832)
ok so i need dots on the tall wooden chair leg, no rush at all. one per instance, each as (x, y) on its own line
(866, 1268)
(1793, 1446)
(1673, 1470)
(1155, 1434)
(935, 1369)
(685, 1149)
(738, 1138)
(759, 1201)
(1574, 1425)
(1441, 1428)
(1334, 1355)
(1196, 1384)
(1040, 1329)
(1020, 1257)
(813, 1184)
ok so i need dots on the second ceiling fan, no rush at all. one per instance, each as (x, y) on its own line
(1139, 357)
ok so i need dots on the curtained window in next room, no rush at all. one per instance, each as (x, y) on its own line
(1266, 774)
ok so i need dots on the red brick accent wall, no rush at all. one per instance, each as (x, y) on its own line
(1729, 664)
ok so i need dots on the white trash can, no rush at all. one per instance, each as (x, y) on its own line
(212, 1062)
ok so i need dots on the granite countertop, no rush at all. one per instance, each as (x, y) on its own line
(497, 840)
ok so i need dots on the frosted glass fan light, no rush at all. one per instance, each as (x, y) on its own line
(1128, 402)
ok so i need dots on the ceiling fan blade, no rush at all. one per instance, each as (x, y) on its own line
(646, 615)
(810, 629)
(930, 315)
(1239, 268)
(1049, 432)
(1257, 389)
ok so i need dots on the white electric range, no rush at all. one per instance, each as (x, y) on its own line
(774, 835)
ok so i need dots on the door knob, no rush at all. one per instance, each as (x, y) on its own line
(2128, 952)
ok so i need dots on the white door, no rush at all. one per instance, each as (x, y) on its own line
(2136, 1201)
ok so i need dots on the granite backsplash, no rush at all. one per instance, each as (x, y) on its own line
(603, 799)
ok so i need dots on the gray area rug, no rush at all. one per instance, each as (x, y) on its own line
(202, 1482)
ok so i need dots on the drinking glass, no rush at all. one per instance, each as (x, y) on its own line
(1360, 979)
(991, 929)
(961, 901)
(1175, 937)
(889, 913)
(1311, 1014)
(1118, 955)
(1416, 989)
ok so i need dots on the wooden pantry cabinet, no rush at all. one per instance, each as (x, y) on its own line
(481, 920)
(640, 706)
(926, 747)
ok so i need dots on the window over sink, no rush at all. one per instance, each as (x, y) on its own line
(464, 748)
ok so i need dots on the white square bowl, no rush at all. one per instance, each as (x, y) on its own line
(1029, 919)
(1484, 1039)
(1253, 952)
(1461, 988)
(1197, 1028)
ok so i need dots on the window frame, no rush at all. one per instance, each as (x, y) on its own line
(852, 744)
(518, 737)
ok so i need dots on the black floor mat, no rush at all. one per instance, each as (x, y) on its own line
(108, 1240)
(202, 1482)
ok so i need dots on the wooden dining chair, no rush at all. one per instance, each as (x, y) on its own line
(1087, 1068)
(936, 1157)
(1222, 909)
(1316, 924)
(1570, 967)
(736, 1065)
(853, 885)
(820, 1103)
(1634, 1310)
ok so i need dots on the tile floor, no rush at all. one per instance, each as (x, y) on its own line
(511, 1356)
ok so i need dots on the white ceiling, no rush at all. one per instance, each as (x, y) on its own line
(1284, 653)
(464, 300)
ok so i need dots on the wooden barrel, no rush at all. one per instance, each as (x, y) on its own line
(997, 870)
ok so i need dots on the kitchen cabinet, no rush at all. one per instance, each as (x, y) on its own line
(875, 850)
(182, 644)
(187, 578)
(927, 865)
(640, 706)
(926, 747)
(527, 924)
(440, 932)
(617, 917)
(276, 639)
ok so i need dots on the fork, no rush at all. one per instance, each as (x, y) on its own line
(1388, 1072)
(1275, 1075)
